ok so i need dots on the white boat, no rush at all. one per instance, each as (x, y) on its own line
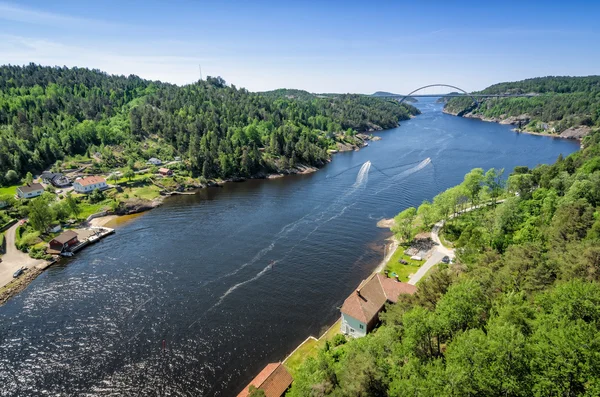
(66, 253)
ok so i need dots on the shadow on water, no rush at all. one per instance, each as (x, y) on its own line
(234, 277)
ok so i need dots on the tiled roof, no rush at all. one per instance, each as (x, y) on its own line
(369, 298)
(90, 180)
(274, 380)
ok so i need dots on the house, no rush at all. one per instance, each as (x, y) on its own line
(360, 311)
(89, 184)
(55, 179)
(177, 158)
(274, 380)
(165, 171)
(154, 161)
(62, 242)
(54, 228)
(30, 190)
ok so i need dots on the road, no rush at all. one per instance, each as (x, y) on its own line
(439, 251)
(14, 259)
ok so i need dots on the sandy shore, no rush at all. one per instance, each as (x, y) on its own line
(390, 248)
(103, 220)
(385, 223)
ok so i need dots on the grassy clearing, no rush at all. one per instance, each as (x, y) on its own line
(136, 178)
(403, 271)
(9, 190)
(149, 192)
(88, 209)
(310, 348)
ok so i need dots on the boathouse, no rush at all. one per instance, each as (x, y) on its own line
(30, 190)
(360, 311)
(62, 242)
(274, 380)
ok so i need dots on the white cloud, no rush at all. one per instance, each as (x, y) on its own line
(17, 13)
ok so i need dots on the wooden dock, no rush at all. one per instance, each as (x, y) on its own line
(100, 233)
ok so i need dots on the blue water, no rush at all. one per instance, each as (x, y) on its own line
(235, 277)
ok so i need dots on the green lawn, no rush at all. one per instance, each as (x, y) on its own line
(8, 191)
(88, 209)
(149, 192)
(310, 348)
(403, 271)
(136, 178)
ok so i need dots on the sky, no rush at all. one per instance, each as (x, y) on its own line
(319, 46)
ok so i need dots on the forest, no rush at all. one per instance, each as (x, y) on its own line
(563, 102)
(219, 130)
(517, 314)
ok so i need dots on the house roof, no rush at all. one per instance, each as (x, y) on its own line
(34, 187)
(90, 180)
(274, 380)
(164, 170)
(65, 237)
(369, 298)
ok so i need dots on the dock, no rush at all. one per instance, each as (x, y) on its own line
(91, 236)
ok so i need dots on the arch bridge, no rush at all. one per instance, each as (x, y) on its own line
(463, 93)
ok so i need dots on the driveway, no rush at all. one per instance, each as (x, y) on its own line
(439, 251)
(13, 259)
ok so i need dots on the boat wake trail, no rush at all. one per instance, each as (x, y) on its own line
(338, 208)
(363, 174)
(398, 177)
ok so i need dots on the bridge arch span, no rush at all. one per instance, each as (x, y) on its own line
(439, 85)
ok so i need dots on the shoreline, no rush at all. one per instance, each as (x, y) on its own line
(515, 129)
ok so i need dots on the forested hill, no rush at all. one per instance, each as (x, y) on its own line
(559, 103)
(47, 113)
(518, 314)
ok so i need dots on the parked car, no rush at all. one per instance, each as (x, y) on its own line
(18, 272)
(403, 262)
(446, 259)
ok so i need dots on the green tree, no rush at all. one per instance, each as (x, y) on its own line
(403, 224)
(73, 205)
(40, 215)
(28, 180)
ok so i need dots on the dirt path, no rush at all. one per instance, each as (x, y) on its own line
(14, 259)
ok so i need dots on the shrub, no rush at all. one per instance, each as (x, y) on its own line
(338, 340)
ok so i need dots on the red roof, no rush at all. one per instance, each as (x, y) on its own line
(368, 300)
(274, 380)
(90, 180)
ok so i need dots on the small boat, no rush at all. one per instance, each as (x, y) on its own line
(66, 253)
(18, 272)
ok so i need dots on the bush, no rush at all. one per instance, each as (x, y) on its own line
(338, 340)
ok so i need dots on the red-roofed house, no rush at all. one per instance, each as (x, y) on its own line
(274, 380)
(89, 184)
(165, 171)
(360, 311)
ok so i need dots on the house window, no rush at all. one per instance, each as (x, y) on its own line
(361, 326)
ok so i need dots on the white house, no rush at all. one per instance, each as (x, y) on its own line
(154, 161)
(360, 311)
(30, 190)
(89, 184)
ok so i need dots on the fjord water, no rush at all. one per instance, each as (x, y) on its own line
(235, 277)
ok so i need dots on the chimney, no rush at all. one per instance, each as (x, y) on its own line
(358, 293)
(397, 278)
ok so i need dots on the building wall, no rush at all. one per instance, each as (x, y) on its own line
(353, 327)
(29, 194)
(89, 188)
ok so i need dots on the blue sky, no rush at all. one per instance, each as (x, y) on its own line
(349, 46)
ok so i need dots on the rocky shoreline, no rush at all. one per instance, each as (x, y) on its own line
(577, 133)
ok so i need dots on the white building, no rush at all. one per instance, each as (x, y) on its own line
(360, 311)
(154, 161)
(89, 184)
(30, 191)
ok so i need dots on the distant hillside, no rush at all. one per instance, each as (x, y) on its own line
(50, 113)
(563, 103)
